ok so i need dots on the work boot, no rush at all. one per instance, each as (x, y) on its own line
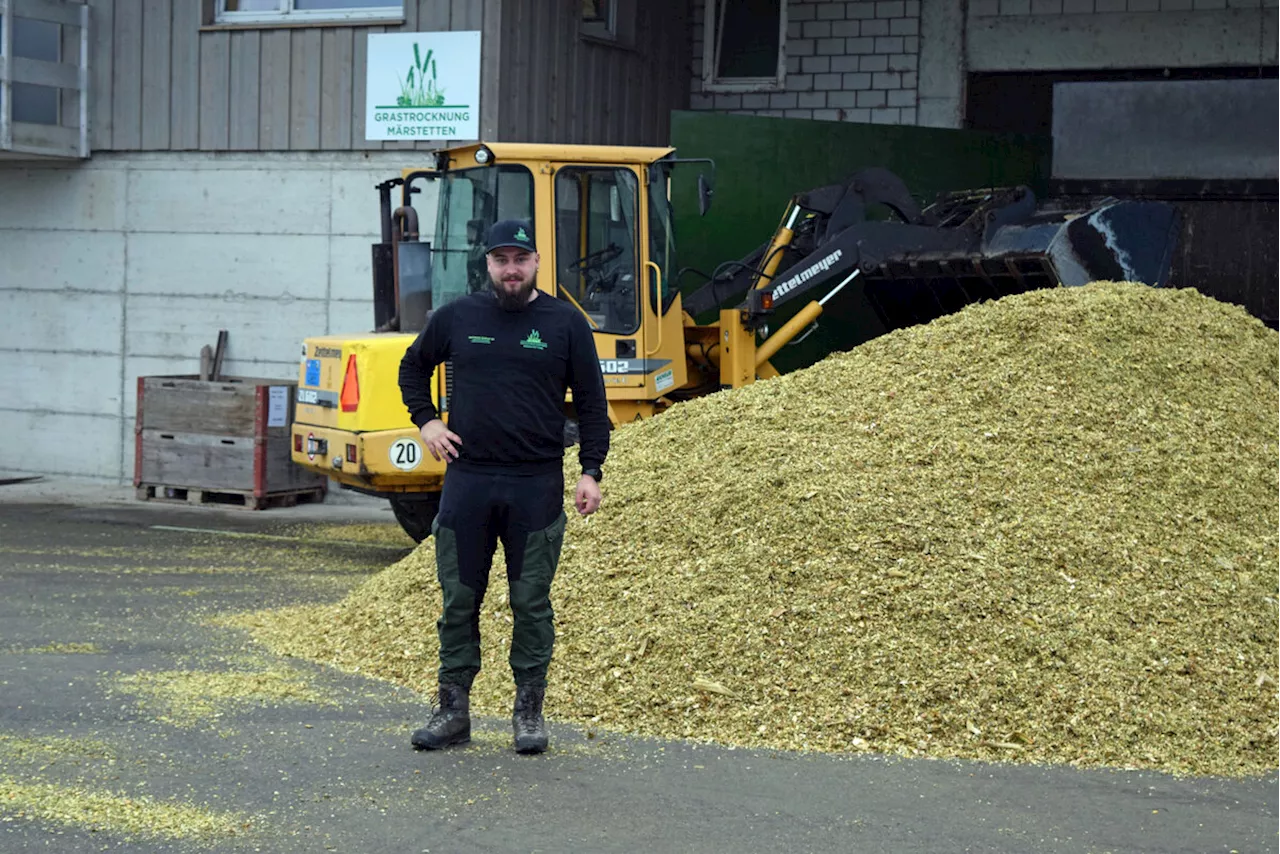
(527, 722)
(450, 720)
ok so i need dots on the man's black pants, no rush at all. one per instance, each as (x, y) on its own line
(525, 512)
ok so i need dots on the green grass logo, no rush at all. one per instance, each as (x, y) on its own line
(417, 90)
(534, 342)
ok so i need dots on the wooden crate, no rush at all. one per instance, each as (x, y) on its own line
(201, 441)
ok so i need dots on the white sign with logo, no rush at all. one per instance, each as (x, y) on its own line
(423, 86)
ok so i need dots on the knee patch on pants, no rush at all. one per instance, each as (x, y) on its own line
(458, 627)
(542, 554)
(533, 633)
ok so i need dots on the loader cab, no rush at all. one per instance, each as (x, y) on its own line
(614, 242)
(602, 220)
(614, 256)
(596, 240)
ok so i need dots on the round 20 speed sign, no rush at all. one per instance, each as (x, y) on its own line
(406, 454)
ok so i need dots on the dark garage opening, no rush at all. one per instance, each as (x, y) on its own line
(1228, 243)
(1022, 102)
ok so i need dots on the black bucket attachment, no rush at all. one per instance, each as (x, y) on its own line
(966, 247)
(1114, 240)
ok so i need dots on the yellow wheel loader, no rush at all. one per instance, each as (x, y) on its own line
(603, 225)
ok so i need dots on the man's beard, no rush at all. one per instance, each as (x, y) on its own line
(518, 301)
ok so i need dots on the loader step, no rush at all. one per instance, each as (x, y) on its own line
(228, 497)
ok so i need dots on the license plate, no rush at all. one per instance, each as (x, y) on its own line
(313, 372)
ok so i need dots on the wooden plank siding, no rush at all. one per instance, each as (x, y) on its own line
(273, 103)
(304, 90)
(556, 86)
(215, 91)
(163, 79)
(359, 54)
(246, 76)
(184, 80)
(101, 72)
(126, 80)
(157, 29)
(336, 52)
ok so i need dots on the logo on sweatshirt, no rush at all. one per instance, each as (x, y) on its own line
(480, 339)
(534, 342)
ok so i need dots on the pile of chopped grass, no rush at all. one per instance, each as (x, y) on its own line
(1043, 529)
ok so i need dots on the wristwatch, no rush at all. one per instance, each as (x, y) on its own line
(594, 474)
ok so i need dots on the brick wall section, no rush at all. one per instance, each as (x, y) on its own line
(846, 61)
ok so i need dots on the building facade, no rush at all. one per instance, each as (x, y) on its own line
(170, 168)
(228, 182)
(928, 62)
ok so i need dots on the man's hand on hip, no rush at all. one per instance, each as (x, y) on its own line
(442, 442)
(587, 496)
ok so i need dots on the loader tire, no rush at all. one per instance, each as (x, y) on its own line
(416, 513)
(571, 435)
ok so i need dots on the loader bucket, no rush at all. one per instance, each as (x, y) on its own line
(1117, 241)
(873, 276)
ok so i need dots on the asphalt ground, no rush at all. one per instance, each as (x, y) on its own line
(96, 588)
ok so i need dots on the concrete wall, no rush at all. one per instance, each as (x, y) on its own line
(1048, 35)
(125, 266)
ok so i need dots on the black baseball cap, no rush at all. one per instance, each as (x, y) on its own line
(511, 232)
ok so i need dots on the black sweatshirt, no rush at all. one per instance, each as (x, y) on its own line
(510, 373)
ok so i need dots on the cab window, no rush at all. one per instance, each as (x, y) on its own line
(468, 202)
(596, 261)
(662, 242)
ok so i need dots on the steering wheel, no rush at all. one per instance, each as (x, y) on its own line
(593, 269)
(595, 259)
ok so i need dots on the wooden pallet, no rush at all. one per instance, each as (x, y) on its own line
(225, 442)
(228, 497)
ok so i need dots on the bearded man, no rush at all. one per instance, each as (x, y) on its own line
(512, 351)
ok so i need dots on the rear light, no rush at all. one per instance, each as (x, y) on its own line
(350, 397)
(297, 442)
(351, 453)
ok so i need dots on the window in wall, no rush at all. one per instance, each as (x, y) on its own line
(744, 45)
(299, 11)
(600, 18)
(608, 20)
(41, 40)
